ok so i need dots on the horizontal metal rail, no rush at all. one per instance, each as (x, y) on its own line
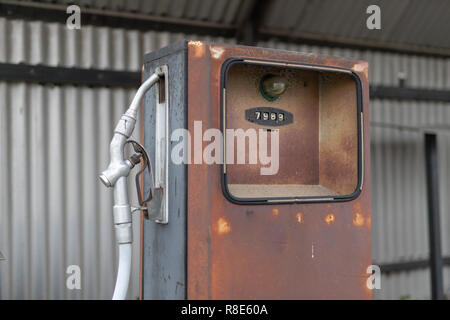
(68, 76)
(132, 79)
(409, 265)
(402, 93)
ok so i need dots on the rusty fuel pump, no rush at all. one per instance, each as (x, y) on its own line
(261, 188)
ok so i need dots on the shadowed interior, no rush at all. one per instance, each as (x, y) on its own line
(318, 151)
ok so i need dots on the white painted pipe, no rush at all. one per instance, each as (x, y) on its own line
(116, 176)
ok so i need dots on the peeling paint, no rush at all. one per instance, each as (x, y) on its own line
(216, 52)
(361, 67)
(196, 43)
(358, 219)
(329, 219)
(223, 226)
(299, 217)
(198, 48)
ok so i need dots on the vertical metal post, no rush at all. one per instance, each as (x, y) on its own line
(437, 292)
(249, 21)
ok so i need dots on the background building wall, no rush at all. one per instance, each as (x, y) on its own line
(54, 141)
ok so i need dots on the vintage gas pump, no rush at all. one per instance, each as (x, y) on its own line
(260, 185)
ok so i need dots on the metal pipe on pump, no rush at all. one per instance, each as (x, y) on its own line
(115, 177)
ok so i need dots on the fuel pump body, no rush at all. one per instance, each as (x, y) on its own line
(218, 246)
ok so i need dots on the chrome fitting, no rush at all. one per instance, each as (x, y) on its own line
(114, 171)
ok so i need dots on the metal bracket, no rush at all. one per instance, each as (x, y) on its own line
(158, 208)
(141, 155)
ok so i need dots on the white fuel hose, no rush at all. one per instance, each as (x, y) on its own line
(123, 273)
(115, 176)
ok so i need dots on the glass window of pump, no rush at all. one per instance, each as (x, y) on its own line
(315, 113)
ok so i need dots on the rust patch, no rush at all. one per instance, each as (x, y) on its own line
(216, 52)
(368, 222)
(223, 226)
(358, 219)
(297, 165)
(275, 212)
(198, 48)
(329, 219)
(361, 67)
(299, 217)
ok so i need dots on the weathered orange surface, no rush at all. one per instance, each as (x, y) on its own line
(280, 251)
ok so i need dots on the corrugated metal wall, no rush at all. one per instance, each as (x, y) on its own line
(55, 213)
(54, 141)
(413, 22)
(399, 204)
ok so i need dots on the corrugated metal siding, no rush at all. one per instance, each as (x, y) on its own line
(54, 141)
(217, 11)
(117, 49)
(408, 285)
(403, 21)
(55, 212)
(400, 224)
(414, 22)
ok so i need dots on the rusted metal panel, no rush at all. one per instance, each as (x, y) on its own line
(242, 93)
(289, 251)
(203, 183)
